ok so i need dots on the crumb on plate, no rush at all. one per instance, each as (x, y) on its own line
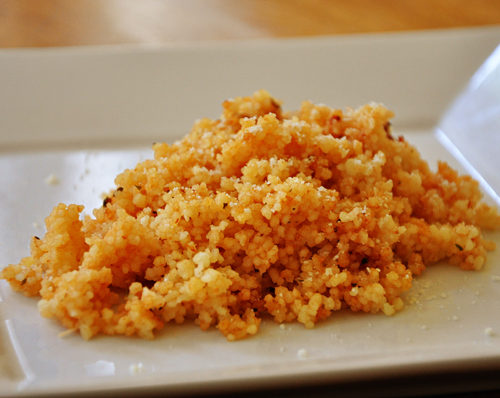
(136, 368)
(302, 353)
(52, 179)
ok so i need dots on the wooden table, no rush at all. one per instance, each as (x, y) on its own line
(39, 23)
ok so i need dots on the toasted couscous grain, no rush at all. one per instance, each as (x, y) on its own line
(259, 213)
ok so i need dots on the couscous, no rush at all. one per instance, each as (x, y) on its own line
(257, 214)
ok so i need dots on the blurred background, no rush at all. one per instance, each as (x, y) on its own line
(40, 23)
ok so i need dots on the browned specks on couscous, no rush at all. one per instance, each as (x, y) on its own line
(257, 213)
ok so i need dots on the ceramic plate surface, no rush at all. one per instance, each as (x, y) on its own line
(85, 114)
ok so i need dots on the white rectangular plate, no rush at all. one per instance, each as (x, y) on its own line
(85, 114)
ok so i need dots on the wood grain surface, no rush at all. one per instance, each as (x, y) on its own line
(39, 23)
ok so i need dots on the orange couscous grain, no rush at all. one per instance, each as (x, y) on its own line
(259, 212)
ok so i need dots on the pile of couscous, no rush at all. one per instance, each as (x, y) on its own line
(259, 213)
